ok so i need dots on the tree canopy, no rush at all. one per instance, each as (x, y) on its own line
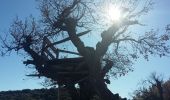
(62, 23)
(154, 88)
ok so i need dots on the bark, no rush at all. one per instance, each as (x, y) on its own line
(160, 89)
(73, 92)
(86, 90)
(105, 93)
(95, 83)
(38, 61)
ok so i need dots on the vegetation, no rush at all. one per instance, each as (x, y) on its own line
(27, 94)
(67, 20)
(36, 94)
(155, 88)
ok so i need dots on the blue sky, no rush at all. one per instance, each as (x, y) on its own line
(12, 71)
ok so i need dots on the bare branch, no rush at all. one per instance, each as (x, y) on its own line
(67, 39)
(71, 25)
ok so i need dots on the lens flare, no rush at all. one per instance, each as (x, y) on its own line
(114, 13)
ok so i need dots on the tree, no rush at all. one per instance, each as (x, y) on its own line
(154, 88)
(66, 20)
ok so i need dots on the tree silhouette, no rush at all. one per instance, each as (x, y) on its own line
(66, 21)
(155, 88)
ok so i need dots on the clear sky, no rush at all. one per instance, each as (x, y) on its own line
(12, 71)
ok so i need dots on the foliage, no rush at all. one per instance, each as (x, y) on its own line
(154, 88)
(37, 94)
(27, 94)
(112, 55)
(88, 15)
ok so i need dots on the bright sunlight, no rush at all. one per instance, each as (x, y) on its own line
(113, 13)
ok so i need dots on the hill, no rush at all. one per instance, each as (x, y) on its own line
(27, 94)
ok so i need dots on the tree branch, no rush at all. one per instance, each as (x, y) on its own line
(29, 62)
(110, 35)
(66, 39)
(107, 67)
(71, 29)
(102, 46)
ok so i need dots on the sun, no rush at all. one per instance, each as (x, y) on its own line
(114, 13)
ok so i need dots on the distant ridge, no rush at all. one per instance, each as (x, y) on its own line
(27, 94)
